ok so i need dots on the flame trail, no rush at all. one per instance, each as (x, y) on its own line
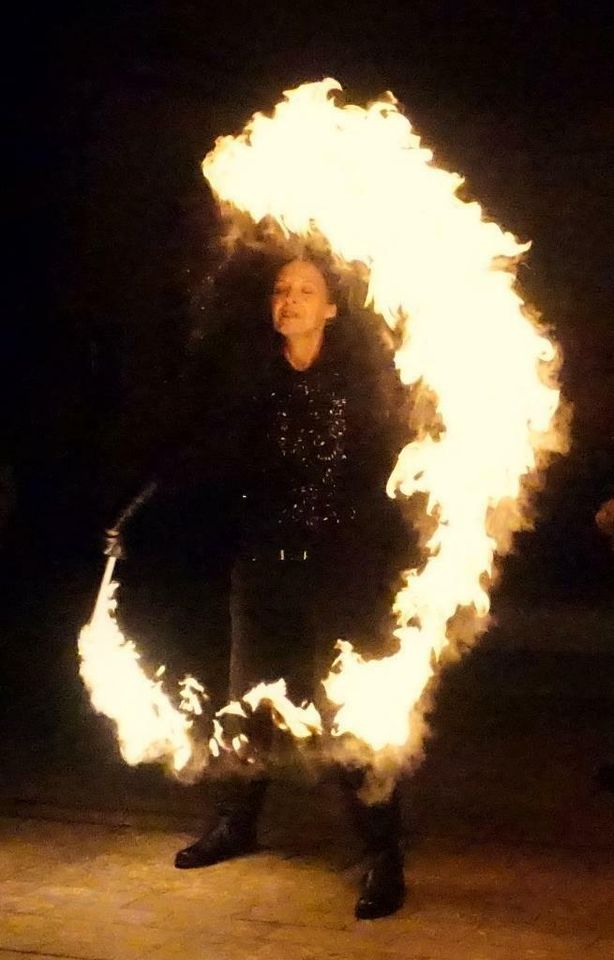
(443, 277)
(149, 727)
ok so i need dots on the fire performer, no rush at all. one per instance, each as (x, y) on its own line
(316, 439)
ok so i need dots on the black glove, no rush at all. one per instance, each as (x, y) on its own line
(113, 544)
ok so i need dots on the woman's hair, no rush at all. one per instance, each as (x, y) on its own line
(235, 314)
(325, 267)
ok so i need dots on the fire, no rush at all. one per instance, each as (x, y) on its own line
(443, 277)
(149, 727)
(301, 722)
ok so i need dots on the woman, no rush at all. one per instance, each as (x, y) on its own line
(311, 443)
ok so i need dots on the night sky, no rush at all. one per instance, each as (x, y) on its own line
(113, 231)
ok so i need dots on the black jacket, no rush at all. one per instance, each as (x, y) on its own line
(270, 457)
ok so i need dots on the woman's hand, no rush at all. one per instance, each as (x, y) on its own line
(113, 544)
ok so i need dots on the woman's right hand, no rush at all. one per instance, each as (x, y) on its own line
(113, 544)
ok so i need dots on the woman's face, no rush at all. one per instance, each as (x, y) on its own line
(300, 304)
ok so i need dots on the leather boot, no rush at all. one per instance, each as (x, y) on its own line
(234, 834)
(383, 885)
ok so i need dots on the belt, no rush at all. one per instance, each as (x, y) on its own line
(279, 554)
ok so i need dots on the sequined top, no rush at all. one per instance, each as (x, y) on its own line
(314, 443)
(274, 458)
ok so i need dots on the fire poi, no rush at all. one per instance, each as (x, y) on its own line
(443, 277)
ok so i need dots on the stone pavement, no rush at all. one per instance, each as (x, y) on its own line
(513, 856)
(78, 891)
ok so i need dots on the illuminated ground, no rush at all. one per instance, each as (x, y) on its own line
(511, 848)
(101, 893)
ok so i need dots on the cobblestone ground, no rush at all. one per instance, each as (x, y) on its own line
(102, 892)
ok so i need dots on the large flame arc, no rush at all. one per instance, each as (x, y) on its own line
(444, 278)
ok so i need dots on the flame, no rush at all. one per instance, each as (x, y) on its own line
(192, 694)
(443, 277)
(301, 722)
(149, 727)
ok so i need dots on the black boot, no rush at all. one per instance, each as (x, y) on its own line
(225, 841)
(235, 833)
(383, 885)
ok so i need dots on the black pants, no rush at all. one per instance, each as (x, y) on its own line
(275, 625)
(286, 616)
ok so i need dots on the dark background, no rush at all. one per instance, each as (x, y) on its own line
(112, 237)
